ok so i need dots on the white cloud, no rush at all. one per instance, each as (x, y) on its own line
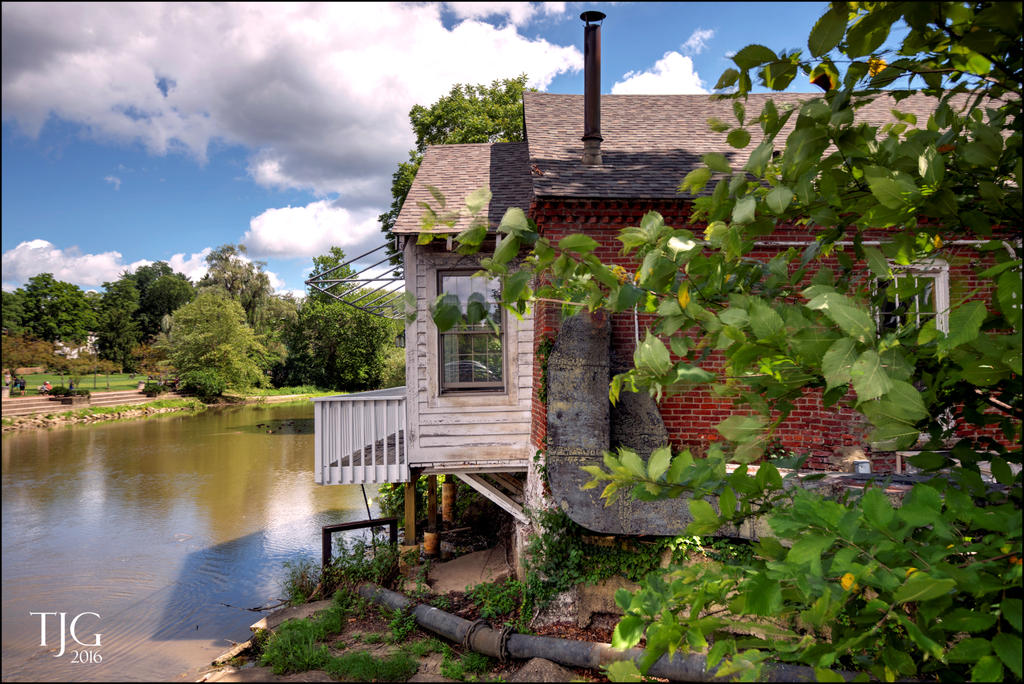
(672, 74)
(516, 13)
(194, 266)
(698, 41)
(33, 257)
(319, 93)
(113, 180)
(311, 230)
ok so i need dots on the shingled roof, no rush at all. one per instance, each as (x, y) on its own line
(650, 143)
(458, 170)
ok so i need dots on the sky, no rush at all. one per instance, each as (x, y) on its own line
(135, 133)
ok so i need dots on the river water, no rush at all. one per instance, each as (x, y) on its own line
(157, 535)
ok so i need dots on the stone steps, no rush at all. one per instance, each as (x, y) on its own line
(27, 406)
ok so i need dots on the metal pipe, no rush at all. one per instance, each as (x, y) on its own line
(592, 88)
(688, 667)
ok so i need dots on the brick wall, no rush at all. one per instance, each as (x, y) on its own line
(691, 417)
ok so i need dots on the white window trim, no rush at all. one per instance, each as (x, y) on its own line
(938, 269)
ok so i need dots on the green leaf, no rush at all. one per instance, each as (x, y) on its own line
(1008, 294)
(1011, 610)
(738, 138)
(623, 670)
(741, 428)
(759, 158)
(778, 198)
(653, 355)
(516, 286)
(727, 79)
(764, 320)
(870, 380)
(717, 161)
(868, 34)
(578, 242)
(892, 191)
(659, 461)
(705, 520)
(921, 586)
(877, 509)
(963, 620)
(838, 361)
(969, 650)
(851, 319)
(628, 633)
(754, 55)
(877, 262)
(988, 669)
(763, 594)
(478, 199)
(506, 249)
(514, 221)
(807, 551)
(695, 181)
(964, 325)
(827, 32)
(1008, 649)
(744, 210)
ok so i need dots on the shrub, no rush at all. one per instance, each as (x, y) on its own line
(152, 389)
(205, 384)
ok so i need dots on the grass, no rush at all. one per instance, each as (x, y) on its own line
(97, 383)
(280, 391)
(192, 405)
(297, 646)
(467, 667)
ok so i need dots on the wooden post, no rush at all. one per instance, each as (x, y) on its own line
(448, 499)
(432, 503)
(410, 511)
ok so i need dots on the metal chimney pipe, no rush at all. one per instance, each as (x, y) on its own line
(592, 88)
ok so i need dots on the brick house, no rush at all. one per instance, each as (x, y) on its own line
(473, 405)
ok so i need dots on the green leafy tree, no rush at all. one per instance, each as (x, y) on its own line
(55, 310)
(162, 297)
(210, 335)
(334, 345)
(14, 312)
(467, 114)
(118, 332)
(930, 588)
(240, 278)
(22, 351)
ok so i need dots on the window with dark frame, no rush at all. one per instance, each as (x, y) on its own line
(472, 354)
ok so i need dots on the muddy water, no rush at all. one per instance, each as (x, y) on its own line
(158, 535)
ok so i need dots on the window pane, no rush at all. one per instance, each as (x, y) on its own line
(471, 355)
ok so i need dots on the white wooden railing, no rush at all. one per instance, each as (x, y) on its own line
(360, 438)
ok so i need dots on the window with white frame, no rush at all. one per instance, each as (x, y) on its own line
(915, 295)
(472, 354)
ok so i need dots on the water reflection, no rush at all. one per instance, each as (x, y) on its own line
(168, 528)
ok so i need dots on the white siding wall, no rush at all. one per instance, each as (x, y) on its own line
(468, 428)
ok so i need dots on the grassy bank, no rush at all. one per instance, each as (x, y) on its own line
(101, 413)
(96, 383)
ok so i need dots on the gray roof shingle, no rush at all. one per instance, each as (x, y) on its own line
(458, 170)
(650, 143)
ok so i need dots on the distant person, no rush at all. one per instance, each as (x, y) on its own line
(47, 387)
(22, 384)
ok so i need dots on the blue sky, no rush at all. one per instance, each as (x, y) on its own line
(134, 133)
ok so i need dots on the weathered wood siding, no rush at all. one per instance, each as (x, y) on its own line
(466, 428)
